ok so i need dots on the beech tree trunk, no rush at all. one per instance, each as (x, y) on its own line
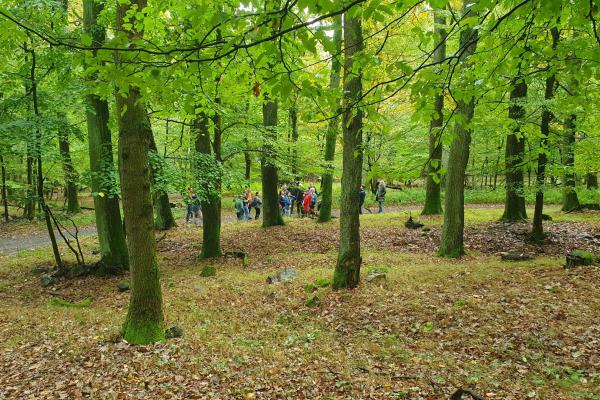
(591, 180)
(433, 201)
(294, 140)
(269, 174)
(347, 270)
(71, 175)
(332, 128)
(4, 193)
(570, 199)
(144, 321)
(210, 185)
(514, 204)
(164, 218)
(537, 231)
(111, 237)
(452, 244)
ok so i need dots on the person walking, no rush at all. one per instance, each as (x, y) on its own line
(257, 205)
(362, 194)
(239, 208)
(306, 203)
(245, 208)
(381, 195)
(249, 199)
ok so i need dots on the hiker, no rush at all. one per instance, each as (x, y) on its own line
(193, 205)
(249, 199)
(362, 194)
(381, 195)
(257, 205)
(239, 208)
(245, 208)
(313, 199)
(306, 203)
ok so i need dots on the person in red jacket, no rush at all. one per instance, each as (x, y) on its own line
(306, 202)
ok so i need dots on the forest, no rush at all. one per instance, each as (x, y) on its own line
(300, 199)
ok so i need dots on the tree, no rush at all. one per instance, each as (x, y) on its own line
(452, 244)
(514, 205)
(537, 231)
(570, 199)
(144, 321)
(111, 238)
(332, 127)
(433, 202)
(347, 270)
(268, 168)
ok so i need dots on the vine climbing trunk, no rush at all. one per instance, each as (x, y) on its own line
(347, 269)
(537, 231)
(433, 201)
(514, 204)
(333, 126)
(269, 174)
(452, 243)
(144, 321)
(111, 237)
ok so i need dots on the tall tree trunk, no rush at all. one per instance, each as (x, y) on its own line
(570, 199)
(433, 201)
(452, 244)
(269, 174)
(537, 231)
(247, 160)
(347, 269)
(332, 127)
(71, 175)
(38, 151)
(210, 186)
(144, 321)
(164, 218)
(4, 194)
(514, 204)
(294, 140)
(111, 237)
(591, 180)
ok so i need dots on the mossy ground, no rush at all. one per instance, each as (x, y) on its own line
(509, 330)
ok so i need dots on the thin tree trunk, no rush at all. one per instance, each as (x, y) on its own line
(514, 204)
(332, 128)
(269, 174)
(452, 244)
(347, 270)
(537, 232)
(71, 175)
(247, 159)
(164, 218)
(570, 199)
(294, 140)
(433, 200)
(144, 321)
(591, 180)
(111, 237)
(4, 194)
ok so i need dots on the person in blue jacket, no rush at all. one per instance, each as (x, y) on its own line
(362, 194)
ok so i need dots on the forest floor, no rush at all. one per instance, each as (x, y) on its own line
(507, 330)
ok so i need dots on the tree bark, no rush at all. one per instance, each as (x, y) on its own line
(591, 180)
(332, 127)
(570, 199)
(347, 270)
(164, 219)
(210, 185)
(4, 193)
(269, 173)
(452, 243)
(294, 140)
(537, 231)
(111, 237)
(71, 175)
(144, 321)
(514, 204)
(433, 201)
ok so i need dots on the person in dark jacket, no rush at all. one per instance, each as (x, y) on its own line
(381, 195)
(239, 208)
(257, 204)
(362, 194)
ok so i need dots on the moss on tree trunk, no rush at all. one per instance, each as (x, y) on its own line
(332, 129)
(347, 270)
(433, 201)
(144, 321)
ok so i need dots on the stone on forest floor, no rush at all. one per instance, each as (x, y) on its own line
(546, 217)
(411, 224)
(208, 271)
(506, 256)
(174, 332)
(48, 279)
(579, 257)
(376, 276)
(123, 286)
(286, 275)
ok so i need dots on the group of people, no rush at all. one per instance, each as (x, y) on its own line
(244, 204)
(379, 196)
(308, 200)
(194, 208)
